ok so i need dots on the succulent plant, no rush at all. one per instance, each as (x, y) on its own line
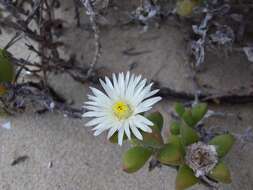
(185, 7)
(194, 160)
(201, 158)
(6, 70)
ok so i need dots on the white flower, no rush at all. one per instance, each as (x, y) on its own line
(119, 108)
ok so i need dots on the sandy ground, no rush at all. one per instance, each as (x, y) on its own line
(80, 161)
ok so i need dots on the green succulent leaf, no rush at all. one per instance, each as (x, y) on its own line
(179, 108)
(199, 111)
(188, 118)
(136, 142)
(221, 173)
(135, 158)
(189, 135)
(152, 140)
(185, 178)
(6, 70)
(176, 140)
(157, 120)
(223, 143)
(170, 154)
(175, 128)
(6, 67)
(185, 7)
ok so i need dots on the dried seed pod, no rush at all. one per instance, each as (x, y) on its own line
(201, 158)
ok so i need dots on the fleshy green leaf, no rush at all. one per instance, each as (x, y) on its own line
(135, 158)
(179, 108)
(188, 118)
(223, 143)
(185, 178)
(185, 7)
(153, 140)
(199, 111)
(6, 67)
(136, 142)
(157, 120)
(170, 154)
(189, 135)
(177, 141)
(221, 173)
(6, 70)
(175, 128)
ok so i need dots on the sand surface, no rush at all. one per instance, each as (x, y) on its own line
(80, 161)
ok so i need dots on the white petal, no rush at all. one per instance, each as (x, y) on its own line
(127, 80)
(140, 87)
(139, 97)
(115, 84)
(108, 89)
(144, 120)
(99, 126)
(109, 83)
(150, 102)
(143, 127)
(97, 92)
(94, 108)
(141, 109)
(100, 100)
(94, 114)
(127, 130)
(120, 136)
(95, 121)
(99, 131)
(121, 84)
(93, 104)
(100, 95)
(152, 93)
(136, 132)
(111, 132)
(132, 85)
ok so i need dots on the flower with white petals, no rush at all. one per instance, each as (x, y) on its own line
(119, 107)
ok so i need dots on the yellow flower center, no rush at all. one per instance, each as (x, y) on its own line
(121, 110)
